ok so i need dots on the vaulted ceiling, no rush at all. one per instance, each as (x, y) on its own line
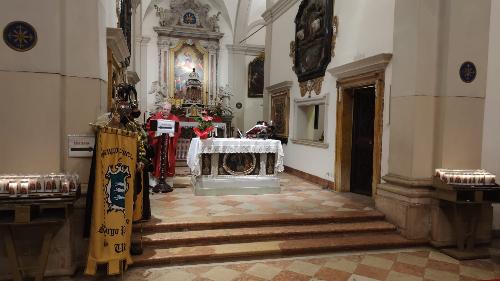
(242, 16)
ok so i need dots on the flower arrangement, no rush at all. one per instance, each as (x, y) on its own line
(205, 125)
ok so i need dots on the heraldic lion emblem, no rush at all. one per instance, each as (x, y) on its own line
(117, 187)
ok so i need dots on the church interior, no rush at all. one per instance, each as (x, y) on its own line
(189, 140)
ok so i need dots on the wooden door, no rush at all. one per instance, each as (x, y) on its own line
(363, 115)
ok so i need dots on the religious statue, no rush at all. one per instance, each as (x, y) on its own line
(193, 88)
(225, 95)
(213, 22)
(158, 94)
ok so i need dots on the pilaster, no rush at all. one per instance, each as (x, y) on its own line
(435, 118)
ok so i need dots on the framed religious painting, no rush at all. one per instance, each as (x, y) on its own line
(280, 108)
(256, 77)
(185, 57)
(313, 38)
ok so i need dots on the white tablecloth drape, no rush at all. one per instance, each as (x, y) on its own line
(223, 145)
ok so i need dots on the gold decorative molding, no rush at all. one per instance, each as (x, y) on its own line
(308, 86)
(292, 51)
(261, 56)
(334, 34)
(280, 111)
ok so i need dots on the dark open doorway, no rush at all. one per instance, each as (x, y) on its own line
(363, 114)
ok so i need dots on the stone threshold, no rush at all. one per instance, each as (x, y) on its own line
(199, 223)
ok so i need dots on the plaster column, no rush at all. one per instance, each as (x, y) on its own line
(142, 69)
(213, 61)
(236, 79)
(435, 118)
(266, 110)
(491, 128)
(161, 47)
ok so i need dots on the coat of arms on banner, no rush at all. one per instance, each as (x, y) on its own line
(117, 187)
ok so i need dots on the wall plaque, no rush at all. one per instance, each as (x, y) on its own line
(468, 72)
(313, 38)
(20, 36)
(81, 145)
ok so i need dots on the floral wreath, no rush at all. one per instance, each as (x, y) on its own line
(205, 125)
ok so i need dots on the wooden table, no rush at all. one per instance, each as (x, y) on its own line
(466, 202)
(48, 214)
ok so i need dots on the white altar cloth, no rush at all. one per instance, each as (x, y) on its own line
(226, 145)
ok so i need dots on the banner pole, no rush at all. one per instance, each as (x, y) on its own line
(141, 234)
(122, 268)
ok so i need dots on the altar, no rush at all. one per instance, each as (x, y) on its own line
(223, 166)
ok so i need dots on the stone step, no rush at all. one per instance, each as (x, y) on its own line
(275, 248)
(232, 235)
(207, 223)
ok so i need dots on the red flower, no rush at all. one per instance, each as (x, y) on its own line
(203, 134)
(207, 118)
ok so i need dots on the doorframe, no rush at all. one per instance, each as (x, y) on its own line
(368, 71)
(343, 134)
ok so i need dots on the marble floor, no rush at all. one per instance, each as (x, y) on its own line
(298, 197)
(416, 264)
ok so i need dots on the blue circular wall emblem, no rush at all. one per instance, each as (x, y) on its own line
(20, 36)
(189, 18)
(468, 72)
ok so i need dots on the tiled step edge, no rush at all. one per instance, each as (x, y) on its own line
(208, 237)
(207, 254)
(257, 220)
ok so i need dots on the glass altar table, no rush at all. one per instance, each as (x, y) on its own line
(222, 166)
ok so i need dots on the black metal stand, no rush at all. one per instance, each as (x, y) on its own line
(162, 185)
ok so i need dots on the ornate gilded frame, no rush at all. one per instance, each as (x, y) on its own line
(284, 94)
(171, 77)
(256, 66)
(245, 172)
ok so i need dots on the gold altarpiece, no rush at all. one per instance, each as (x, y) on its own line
(188, 38)
(183, 58)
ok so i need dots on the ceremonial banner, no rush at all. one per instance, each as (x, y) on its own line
(111, 229)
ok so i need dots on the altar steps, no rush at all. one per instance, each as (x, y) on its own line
(243, 237)
(250, 234)
(217, 222)
(266, 249)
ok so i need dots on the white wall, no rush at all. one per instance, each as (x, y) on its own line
(365, 29)
(257, 8)
(111, 20)
(491, 129)
(257, 38)
(252, 107)
(232, 7)
(56, 88)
